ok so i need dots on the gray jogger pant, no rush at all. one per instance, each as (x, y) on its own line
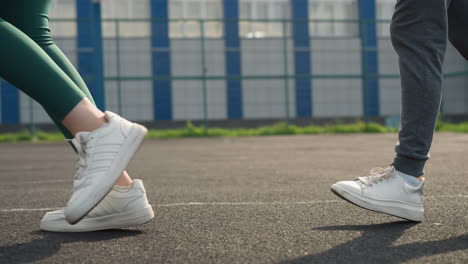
(419, 32)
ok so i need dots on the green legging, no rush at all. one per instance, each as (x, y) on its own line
(30, 60)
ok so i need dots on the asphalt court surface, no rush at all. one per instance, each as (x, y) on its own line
(241, 200)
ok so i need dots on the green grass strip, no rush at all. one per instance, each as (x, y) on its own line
(26, 136)
(192, 131)
(278, 129)
(199, 131)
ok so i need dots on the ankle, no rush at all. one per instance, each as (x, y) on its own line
(124, 180)
(410, 179)
(84, 117)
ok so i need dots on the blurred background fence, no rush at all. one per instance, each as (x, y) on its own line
(206, 60)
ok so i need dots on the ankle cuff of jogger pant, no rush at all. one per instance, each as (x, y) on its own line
(408, 165)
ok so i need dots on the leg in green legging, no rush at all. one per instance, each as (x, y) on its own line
(25, 65)
(31, 17)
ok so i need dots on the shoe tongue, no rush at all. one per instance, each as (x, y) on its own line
(82, 136)
(376, 173)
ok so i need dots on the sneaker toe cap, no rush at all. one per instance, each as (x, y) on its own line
(54, 216)
(348, 186)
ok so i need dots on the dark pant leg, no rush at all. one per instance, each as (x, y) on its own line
(419, 35)
(31, 17)
(458, 26)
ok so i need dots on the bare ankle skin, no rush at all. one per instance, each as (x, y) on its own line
(124, 180)
(85, 116)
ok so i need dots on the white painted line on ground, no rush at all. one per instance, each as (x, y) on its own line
(248, 203)
(39, 182)
(447, 196)
(27, 209)
(228, 203)
(186, 204)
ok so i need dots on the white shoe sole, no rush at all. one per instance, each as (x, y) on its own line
(405, 211)
(81, 207)
(115, 221)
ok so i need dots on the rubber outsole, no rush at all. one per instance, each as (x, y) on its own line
(77, 211)
(118, 221)
(336, 190)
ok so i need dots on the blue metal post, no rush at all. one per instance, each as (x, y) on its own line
(161, 57)
(90, 48)
(99, 91)
(10, 103)
(233, 59)
(302, 61)
(370, 65)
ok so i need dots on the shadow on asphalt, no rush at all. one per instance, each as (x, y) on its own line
(375, 245)
(50, 244)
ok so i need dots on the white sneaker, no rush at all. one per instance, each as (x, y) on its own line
(119, 209)
(385, 192)
(103, 155)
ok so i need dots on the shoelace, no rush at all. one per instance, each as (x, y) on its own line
(80, 144)
(376, 175)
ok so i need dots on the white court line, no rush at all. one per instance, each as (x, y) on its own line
(38, 182)
(27, 209)
(248, 203)
(227, 203)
